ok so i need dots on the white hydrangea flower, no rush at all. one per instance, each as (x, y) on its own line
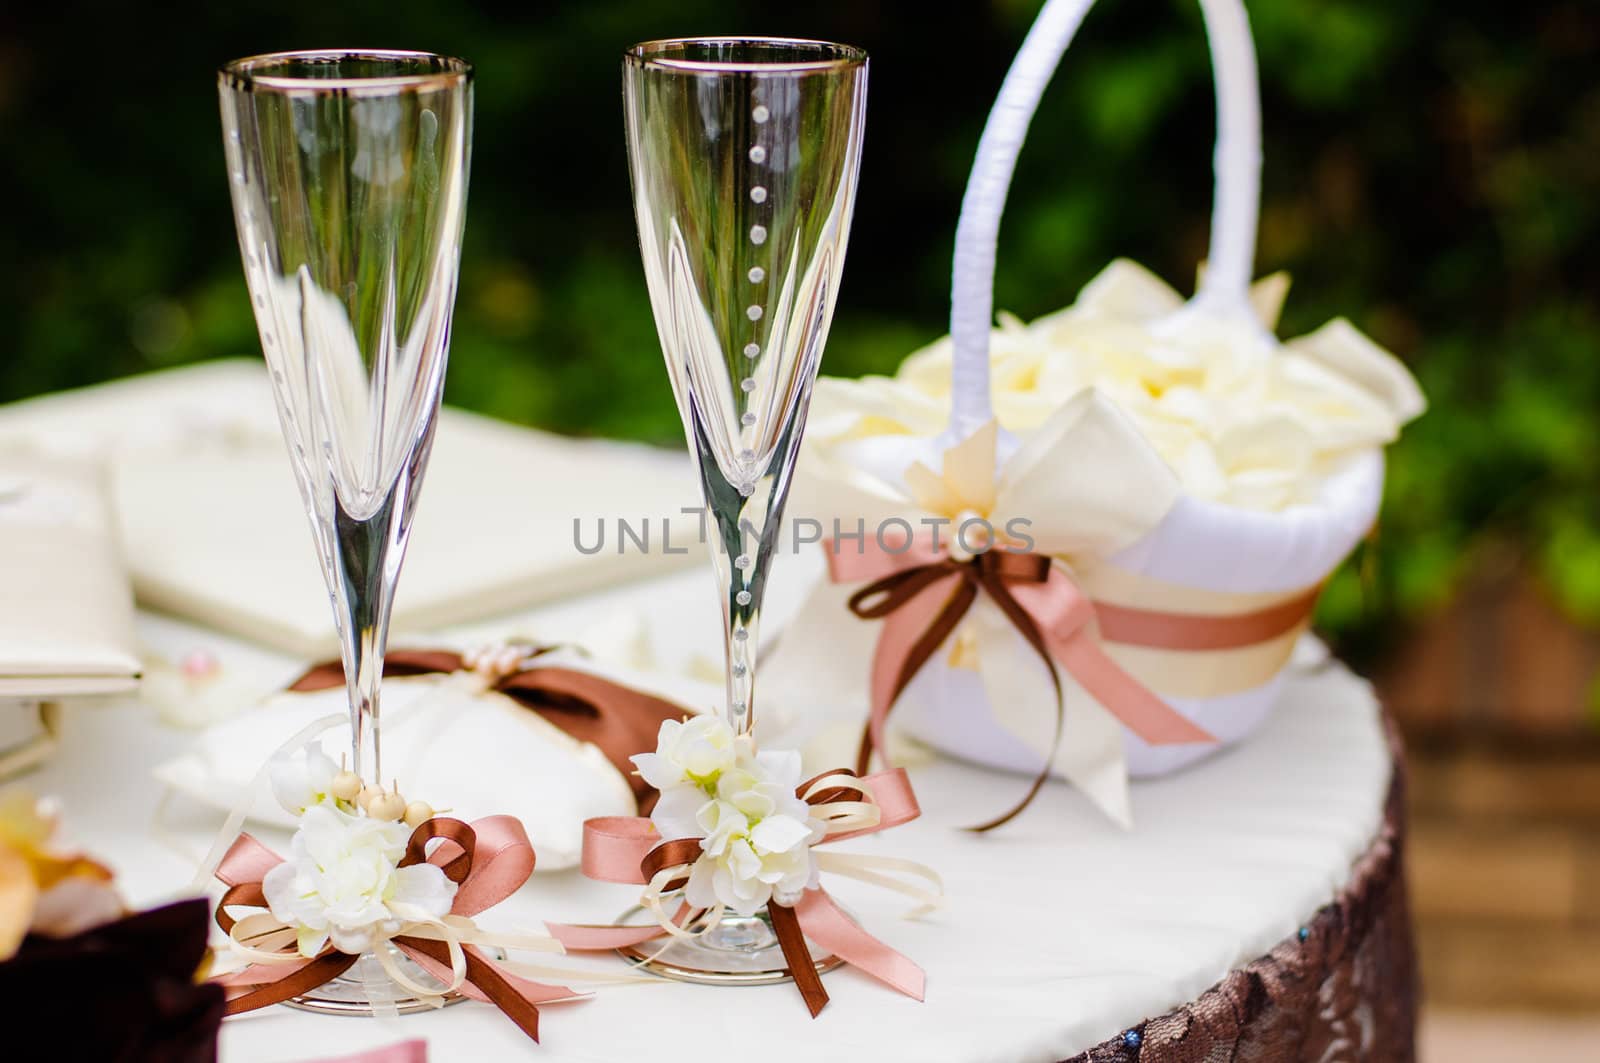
(747, 864)
(679, 812)
(689, 752)
(755, 832)
(758, 837)
(342, 882)
(690, 757)
(763, 787)
(302, 782)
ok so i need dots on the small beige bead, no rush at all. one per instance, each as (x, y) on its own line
(387, 806)
(346, 786)
(418, 813)
(368, 795)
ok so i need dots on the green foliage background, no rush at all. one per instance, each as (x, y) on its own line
(1432, 172)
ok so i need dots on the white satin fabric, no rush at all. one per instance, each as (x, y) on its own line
(447, 742)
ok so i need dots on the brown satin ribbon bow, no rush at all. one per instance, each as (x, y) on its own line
(921, 593)
(618, 720)
(683, 852)
(488, 861)
(992, 571)
(628, 849)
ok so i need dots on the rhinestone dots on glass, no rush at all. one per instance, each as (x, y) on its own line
(759, 114)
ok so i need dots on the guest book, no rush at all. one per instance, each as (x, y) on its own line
(66, 613)
(214, 530)
(66, 617)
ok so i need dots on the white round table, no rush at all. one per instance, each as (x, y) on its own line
(1060, 931)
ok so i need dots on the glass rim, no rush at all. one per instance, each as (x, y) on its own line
(242, 73)
(647, 54)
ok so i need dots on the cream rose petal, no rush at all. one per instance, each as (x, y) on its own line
(1343, 348)
(1124, 338)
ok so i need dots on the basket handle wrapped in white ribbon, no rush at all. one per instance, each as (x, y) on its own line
(1166, 616)
(1225, 286)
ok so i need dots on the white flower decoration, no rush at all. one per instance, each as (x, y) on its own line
(690, 757)
(342, 882)
(1239, 417)
(693, 752)
(756, 833)
(302, 782)
(764, 787)
(759, 835)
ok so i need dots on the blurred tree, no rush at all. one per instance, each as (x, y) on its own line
(1432, 171)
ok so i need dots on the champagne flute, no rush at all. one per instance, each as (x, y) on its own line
(349, 178)
(744, 154)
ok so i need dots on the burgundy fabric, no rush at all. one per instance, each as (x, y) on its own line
(120, 993)
(1347, 993)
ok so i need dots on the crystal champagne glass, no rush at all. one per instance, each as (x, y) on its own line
(744, 154)
(349, 179)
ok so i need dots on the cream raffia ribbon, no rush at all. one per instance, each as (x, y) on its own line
(629, 849)
(488, 860)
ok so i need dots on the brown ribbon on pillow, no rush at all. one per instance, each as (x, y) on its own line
(618, 720)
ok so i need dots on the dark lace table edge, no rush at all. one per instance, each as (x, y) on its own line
(1343, 987)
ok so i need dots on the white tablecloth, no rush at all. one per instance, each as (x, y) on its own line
(1060, 930)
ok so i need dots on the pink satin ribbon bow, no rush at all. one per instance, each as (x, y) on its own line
(921, 594)
(488, 861)
(628, 849)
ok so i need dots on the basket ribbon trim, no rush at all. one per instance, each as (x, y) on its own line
(922, 593)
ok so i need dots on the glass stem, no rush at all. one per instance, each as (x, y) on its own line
(745, 520)
(746, 525)
(742, 560)
(366, 565)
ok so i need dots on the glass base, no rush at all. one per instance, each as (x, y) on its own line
(366, 989)
(739, 950)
